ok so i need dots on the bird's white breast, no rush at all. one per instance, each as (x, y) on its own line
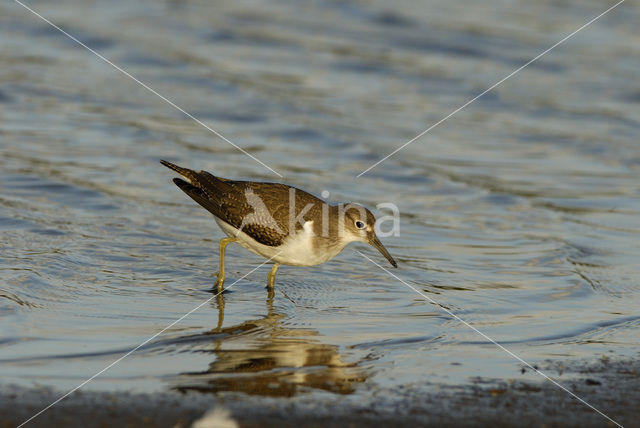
(297, 250)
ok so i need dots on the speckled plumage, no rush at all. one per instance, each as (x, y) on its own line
(227, 200)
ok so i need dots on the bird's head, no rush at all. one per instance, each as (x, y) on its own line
(359, 226)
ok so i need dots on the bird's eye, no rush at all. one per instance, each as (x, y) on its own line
(360, 225)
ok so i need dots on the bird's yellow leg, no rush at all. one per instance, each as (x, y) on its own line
(271, 278)
(220, 280)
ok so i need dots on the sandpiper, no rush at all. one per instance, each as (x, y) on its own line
(278, 222)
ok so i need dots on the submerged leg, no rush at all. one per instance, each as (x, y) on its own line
(271, 278)
(223, 244)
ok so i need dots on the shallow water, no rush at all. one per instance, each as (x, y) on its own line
(520, 214)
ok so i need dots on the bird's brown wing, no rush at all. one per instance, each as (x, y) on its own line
(227, 200)
(289, 206)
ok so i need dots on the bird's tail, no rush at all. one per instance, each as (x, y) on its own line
(186, 172)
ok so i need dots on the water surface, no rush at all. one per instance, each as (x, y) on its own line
(520, 214)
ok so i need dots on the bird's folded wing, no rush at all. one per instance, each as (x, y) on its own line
(227, 200)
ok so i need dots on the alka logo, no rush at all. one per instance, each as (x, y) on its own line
(385, 226)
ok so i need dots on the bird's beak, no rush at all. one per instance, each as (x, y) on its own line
(376, 243)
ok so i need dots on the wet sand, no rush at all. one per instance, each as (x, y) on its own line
(612, 387)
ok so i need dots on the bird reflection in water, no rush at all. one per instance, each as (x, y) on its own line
(265, 357)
